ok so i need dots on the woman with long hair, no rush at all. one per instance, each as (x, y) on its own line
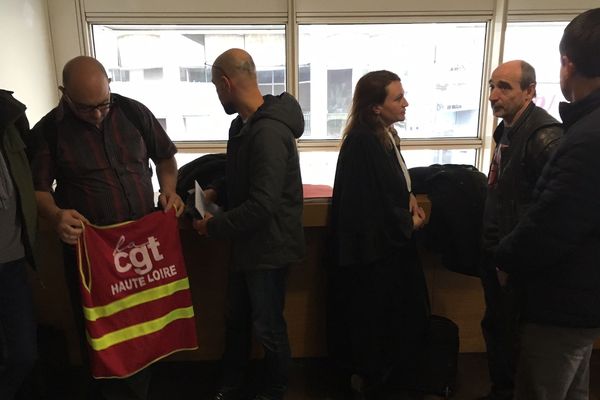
(378, 305)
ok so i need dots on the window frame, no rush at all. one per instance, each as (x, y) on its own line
(291, 21)
(292, 69)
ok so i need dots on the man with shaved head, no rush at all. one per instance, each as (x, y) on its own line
(524, 141)
(263, 220)
(97, 145)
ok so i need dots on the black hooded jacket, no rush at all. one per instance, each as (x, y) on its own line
(264, 188)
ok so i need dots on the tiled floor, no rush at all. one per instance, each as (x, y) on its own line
(310, 379)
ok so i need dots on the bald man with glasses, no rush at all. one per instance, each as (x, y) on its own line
(97, 146)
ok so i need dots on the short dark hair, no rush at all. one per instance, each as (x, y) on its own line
(581, 41)
(527, 75)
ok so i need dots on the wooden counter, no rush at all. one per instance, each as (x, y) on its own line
(457, 296)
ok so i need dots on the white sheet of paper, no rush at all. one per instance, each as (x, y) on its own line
(200, 199)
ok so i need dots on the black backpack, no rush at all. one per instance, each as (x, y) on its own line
(206, 170)
(457, 194)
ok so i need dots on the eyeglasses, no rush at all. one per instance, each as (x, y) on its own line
(87, 109)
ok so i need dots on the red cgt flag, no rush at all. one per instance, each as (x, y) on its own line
(135, 294)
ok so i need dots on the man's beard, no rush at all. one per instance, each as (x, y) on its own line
(229, 108)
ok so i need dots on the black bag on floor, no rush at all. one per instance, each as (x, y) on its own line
(438, 364)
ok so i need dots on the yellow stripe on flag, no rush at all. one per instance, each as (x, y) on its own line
(138, 330)
(93, 313)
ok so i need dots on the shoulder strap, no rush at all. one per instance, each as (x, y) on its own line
(50, 132)
(130, 113)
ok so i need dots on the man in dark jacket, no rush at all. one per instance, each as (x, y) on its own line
(554, 251)
(263, 219)
(18, 219)
(524, 141)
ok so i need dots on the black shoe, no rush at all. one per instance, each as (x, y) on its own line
(228, 393)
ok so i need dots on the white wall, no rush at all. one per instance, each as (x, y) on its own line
(27, 65)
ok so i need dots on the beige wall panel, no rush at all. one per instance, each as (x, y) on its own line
(550, 6)
(27, 67)
(65, 28)
(183, 6)
(406, 6)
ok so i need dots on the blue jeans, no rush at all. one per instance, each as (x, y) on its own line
(18, 349)
(255, 302)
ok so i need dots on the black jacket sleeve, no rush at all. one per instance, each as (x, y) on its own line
(565, 212)
(270, 152)
(540, 148)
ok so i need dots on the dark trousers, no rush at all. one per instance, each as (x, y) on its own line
(134, 387)
(377, 318)
(500, 331)
(255, 302)
(18, 350)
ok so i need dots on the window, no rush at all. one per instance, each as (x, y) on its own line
(119, 75)
(153, 74)
(195, 74)
(318, 167)
(271, 81)
(442, 80)
(537, 43)
(167, 67)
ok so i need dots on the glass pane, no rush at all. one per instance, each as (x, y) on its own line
(537, 43)
(424, 158)
(265, 76)
(173, 79)
(318, 167)
(279, 76)
(440, 66)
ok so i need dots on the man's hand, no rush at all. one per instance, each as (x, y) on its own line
(210, 195)
(68, 225)
(418, 217)
(200, 225)
(167, 200)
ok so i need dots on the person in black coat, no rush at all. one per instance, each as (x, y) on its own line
(554, 251)
(378, 307)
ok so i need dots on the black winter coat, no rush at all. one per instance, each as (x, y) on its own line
(264, 187)
(555, 248)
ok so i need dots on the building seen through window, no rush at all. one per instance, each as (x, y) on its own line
(440, 65)
(167, 67)
(537, 43)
